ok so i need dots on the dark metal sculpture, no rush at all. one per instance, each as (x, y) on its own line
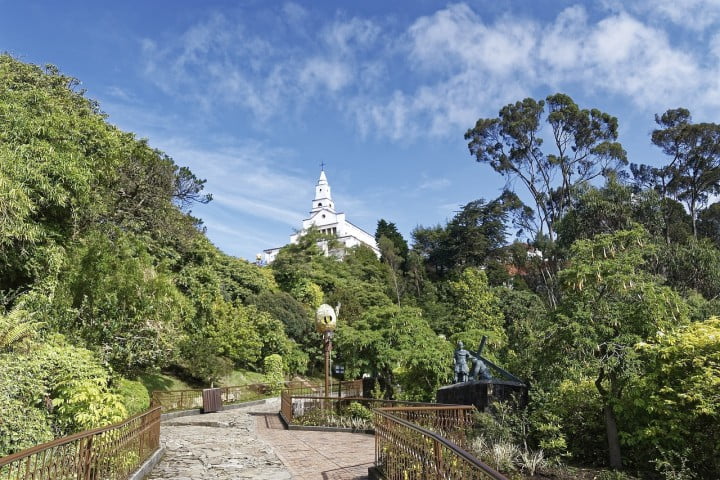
(461, 369)
(478, 386)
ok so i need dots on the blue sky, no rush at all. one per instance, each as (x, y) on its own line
(254, 95)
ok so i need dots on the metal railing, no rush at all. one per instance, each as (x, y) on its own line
(413, 441)
(173, 400)
(293, 407)
(452, 422)
(307, 397)
(407, 451)
(350, 388)
(111, 453)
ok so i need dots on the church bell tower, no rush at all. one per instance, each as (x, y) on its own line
(323, 198)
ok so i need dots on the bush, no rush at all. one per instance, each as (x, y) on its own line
(200, 361)
(357, 410)
(274, 373)
(134, 396)
(22, 426)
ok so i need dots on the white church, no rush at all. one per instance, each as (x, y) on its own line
(327, 220)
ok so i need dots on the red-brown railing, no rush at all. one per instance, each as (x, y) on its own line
(293, 407)
(452, 422)
(111, 453)
(173, 400)
(189, 399)
(407, 451)
(350, 388)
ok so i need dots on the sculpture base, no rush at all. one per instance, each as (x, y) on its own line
(482, 393)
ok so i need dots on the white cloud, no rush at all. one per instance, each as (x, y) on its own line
(434, 184)
(321, 72)
(620, 55)
(347, 37)
(294, 13)
(444, 70)
(468, 67)
(695, 15)
(220, 61)
(457, 35)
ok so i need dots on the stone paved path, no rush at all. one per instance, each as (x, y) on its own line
(251, 443)
(220, 446)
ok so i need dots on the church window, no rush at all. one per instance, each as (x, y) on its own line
(323, 215)
(319, 204)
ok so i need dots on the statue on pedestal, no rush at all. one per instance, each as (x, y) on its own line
(461, 368)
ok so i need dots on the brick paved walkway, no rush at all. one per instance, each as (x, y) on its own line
(251, 443)
(318, 455)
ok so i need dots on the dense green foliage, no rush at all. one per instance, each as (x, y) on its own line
(103, 274)
(608, 308)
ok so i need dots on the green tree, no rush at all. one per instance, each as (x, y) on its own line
(394, 261)
(389, 230)
(609, 305)
(526, 320)
(695, 152)
(675, 404)
(676, 224)
(273, 368)
(475, 311)
(709, 223)
(432, 246)
(694, 265)
(584, 144)
(477, 232)
(57, 154)
(112, 297)
(397, 345)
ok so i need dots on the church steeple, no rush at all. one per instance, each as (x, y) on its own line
(323, 198)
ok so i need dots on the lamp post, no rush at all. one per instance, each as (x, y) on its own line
(325, 322)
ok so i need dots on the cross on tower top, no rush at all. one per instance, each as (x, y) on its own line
(322, 166)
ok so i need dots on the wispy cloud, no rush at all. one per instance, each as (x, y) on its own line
(470, 67)
(697, 15)
(455, 64)
(221, 61)
(434, 184)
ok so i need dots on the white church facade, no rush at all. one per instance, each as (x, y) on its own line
(324, 217)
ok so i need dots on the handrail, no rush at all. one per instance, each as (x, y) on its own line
(406, 450)
(111, 452)
(429, 455)
(187, 399)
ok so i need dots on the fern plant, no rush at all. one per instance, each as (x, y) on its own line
(15, 328)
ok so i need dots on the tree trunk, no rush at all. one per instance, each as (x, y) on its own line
(613, 438)
(611, 429)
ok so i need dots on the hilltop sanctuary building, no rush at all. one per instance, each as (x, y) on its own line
(327, 220)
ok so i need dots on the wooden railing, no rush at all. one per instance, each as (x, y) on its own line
(405, 450)
(111, 453)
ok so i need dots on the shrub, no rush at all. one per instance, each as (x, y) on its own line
(273, 367)
(134, 396)
(22, 426)
(357, 410)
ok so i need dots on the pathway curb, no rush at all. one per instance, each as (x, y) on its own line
(149, 464)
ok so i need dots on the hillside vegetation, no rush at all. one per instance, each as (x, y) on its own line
(609, 312)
